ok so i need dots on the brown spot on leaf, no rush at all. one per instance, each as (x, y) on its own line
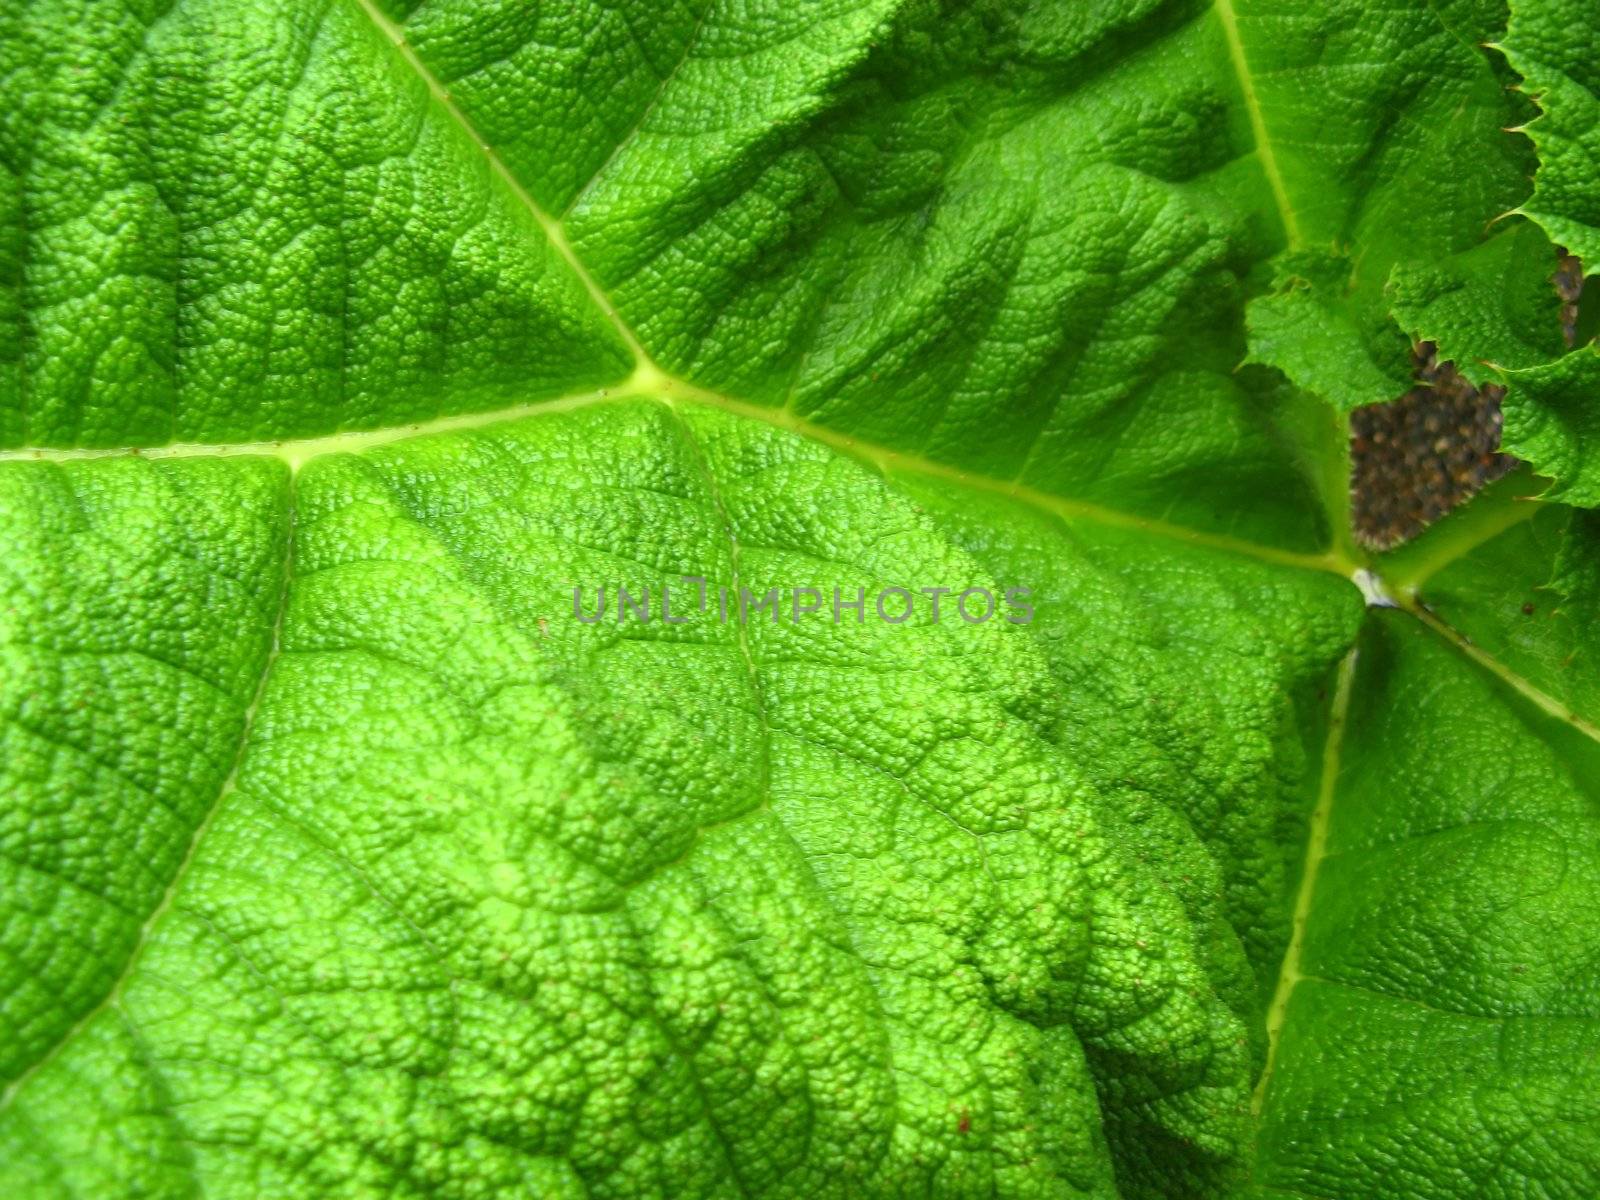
(1417, 458)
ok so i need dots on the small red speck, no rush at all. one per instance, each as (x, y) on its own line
(964, 1124)
(1527, 610)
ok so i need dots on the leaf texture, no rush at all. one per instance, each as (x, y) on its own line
(349, 348)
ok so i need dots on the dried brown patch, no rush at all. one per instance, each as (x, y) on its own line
(1417, 458)
(1568, 281)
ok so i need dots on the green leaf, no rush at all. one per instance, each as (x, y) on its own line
(251, 221)
(1317, 334)
(1372, 113)
(1495, 313)
(1553, 423)
(350, 347)
(1518, 582)
(1555, 44)
(1440, 1030)
(1489, 310)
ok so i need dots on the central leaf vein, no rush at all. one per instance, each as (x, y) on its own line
(552, 227)
(1291, 972)
(1258, 125)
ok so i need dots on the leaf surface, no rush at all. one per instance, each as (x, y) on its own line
(1553, 43)
(344, 341)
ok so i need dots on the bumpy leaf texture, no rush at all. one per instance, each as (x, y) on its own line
(342, 340)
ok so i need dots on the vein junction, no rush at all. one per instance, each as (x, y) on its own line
(649, 381)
